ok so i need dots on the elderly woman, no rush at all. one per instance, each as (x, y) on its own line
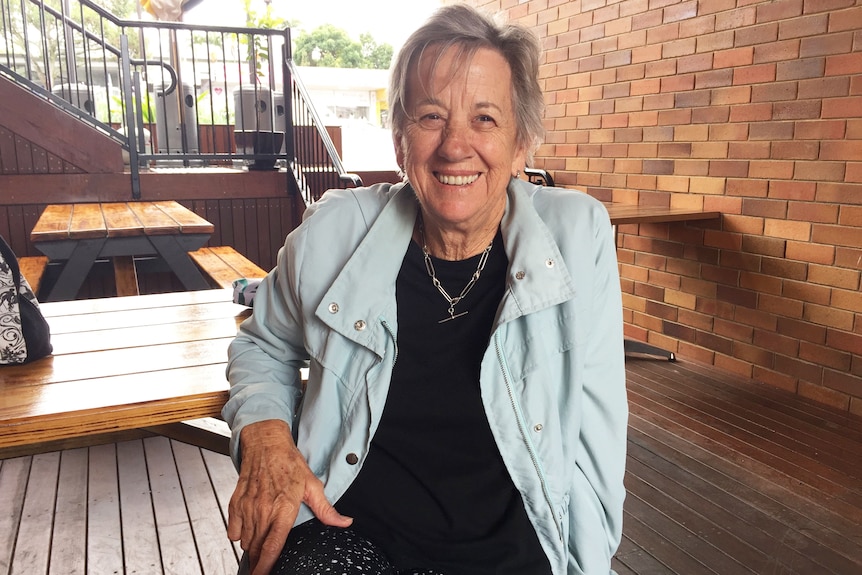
(465, 409)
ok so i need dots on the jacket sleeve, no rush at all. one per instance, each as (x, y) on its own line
(265, 358)
(602, 447)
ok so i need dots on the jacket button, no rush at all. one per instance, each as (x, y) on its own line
(539, 427)
(520, 275)
(333, 307)
(359, 325)
(549, 263)
(352, 458)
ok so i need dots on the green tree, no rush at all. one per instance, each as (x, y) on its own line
(331, 47)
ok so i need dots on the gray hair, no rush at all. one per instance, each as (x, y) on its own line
(468, 29)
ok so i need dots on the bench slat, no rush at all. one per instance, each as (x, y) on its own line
(223, 265)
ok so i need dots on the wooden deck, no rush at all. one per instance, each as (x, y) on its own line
(725, 477)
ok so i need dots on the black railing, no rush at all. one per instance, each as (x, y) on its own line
(182, 94)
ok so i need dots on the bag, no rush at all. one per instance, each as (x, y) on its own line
(24, 333)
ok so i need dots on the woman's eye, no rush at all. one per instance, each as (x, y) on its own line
(485, 119)
(430, 120)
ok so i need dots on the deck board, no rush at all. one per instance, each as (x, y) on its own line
(724, 476)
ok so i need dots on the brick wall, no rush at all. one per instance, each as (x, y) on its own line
(750, 107)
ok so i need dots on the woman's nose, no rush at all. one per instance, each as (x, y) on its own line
(454, 143)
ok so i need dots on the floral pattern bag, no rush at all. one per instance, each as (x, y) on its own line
(24, 333)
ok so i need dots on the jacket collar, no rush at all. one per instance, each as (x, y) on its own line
(364, 290)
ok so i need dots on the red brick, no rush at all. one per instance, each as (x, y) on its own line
(677, 83)
(823, 355)
(800, 150)
(845, 20)
(697, 26)
(734, 58)
(750, 151)
(805, 26)
(778, 343)
(751, 112)
(820, 171)
(807, 292)
(762, 245)
(774, 92)
(618, 58)
(842, 107)
(764, 208)
(757, 74)
(646, 118)
(751, 35)
(787, 230)
(844, 341)
(692, 168)
(847, 299)
(850, 215)
(714, 79)
(776, 169)
(841, 150)
(681, 11)
(839, 43)
(645, 20)
(731, 95)
(674, 117)
(606, 14)
(727, 168)
(800, 69)
(823, 395)
(834, 277)
(771, 131)
(844, 64)
(844, 385)
(837, 235)
(798, 191)
(779, 10)
(733, 19)
(776, 51)
(632, 39)
(733, 330)
(828, 316)
(692, 99)
(824, 88)
(826, 5)
(742, 224)
(820, 130)
(646, 54)
(709, 150)
(799, 110)
(805, 371)
(853, 172)
(812, 253)
(714, 42)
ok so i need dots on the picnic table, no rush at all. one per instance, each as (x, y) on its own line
(120, 364)
(76, 235)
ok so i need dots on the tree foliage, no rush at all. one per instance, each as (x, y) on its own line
(332, 47)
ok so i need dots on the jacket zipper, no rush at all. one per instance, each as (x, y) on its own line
(522, 427)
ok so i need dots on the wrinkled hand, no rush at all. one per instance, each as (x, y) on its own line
(274, 480)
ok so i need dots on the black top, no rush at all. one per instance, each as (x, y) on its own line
(433, 492)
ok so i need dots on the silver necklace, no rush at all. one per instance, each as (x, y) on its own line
(453, 301)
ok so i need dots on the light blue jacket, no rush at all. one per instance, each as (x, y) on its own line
(552, 378)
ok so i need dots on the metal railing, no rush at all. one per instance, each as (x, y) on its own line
(173, 94)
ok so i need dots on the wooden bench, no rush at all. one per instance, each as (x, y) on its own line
(223, 264)
(33, 268)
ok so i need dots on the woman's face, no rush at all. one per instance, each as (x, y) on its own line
(458, 146)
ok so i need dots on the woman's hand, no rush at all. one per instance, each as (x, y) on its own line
(274, 480)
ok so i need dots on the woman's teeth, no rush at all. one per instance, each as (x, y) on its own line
(457, 180)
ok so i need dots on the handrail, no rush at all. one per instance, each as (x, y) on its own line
(195, 111)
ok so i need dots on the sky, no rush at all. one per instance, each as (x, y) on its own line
(390, 21)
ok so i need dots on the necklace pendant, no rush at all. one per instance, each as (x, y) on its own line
(451, 317)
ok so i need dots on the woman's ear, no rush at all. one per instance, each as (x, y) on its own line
(398, 144)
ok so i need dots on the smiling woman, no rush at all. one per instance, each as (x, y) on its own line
(465, 409)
